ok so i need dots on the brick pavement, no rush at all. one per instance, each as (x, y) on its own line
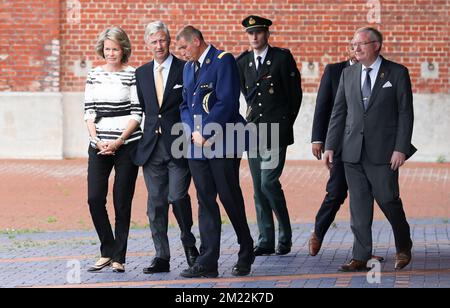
(50, 254)
(49, 196)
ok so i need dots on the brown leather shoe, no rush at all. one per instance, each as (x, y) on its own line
(314, 244)
(402, 259)
(378, 258)
(354, 266)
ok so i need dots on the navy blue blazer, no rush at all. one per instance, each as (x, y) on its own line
(325, 99)
(156, 117)
(214, 97)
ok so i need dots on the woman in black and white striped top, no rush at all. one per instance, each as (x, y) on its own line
(113, 116)
(111, 102)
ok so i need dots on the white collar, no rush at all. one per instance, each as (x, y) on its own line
(375, 65)
(203, 56)
(262, 54)
(166, 64)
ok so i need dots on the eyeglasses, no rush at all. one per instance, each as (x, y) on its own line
(356, 45)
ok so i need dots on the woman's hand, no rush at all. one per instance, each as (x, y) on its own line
(109, 148)
(101, 145)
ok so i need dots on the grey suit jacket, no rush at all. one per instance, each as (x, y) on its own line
(387, 124)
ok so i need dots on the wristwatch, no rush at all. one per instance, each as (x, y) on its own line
(94, 140)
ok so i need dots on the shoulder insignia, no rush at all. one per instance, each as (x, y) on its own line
(282, 49)
(242, 55)
(222, 54)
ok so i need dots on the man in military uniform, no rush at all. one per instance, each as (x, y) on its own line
(271, 84)
(211, 96)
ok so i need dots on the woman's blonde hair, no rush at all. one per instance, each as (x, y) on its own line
(117, 35)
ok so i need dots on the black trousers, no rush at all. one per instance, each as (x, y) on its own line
(335, 197)
(113, 245)
(220, 177)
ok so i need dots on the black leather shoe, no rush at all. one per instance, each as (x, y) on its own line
(198, 270)
(243, 268)
(283, 250)
(260, 251)
(158, 266)
(191, 255)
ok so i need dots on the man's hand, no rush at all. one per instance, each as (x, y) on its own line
(328, 159)
(397, 160)
(317, 150)
(198, 139)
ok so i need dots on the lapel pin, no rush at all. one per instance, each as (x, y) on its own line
(382, 76)
(208, 61)
(250, 64)
(269, 62)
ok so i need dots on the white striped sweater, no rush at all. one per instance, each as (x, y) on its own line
(111, 101)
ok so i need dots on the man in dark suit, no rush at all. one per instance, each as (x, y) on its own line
(337, 185)
(372, 121)
(271, 84)
(159, 87)
(211, 98)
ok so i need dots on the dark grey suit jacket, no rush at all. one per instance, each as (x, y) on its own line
(387, 124)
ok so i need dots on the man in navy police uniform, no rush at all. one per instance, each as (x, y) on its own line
(211, 96)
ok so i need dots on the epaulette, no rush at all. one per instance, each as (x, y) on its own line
(242, 55)
(285, 50)
(222, 54)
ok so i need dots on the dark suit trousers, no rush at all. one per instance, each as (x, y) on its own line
(335, 197)
(220, 177)
(269, 198)
(167, 183)
(366, 182)
(99, 169)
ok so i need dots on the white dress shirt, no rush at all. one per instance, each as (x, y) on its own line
(262, 55)
(203, 56)
(166, 69)
(373, 73)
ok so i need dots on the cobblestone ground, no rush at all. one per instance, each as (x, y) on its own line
(54, 255)
(42, 201)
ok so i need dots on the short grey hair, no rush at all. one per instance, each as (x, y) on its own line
(117, 35)
(154, 27)
(189, 32)
(374, 34)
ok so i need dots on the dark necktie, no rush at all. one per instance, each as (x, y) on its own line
(197, 70)
(258, 68)
(367, 88)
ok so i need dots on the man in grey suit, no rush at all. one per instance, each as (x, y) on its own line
(159, 85)
(372, 122)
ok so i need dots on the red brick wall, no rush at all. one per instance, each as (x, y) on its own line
(29, 45)
(317, 31)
